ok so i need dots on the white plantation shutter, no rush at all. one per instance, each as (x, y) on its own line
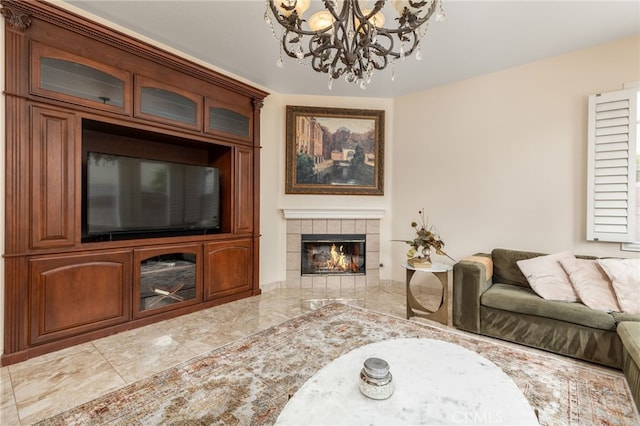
(612, 166)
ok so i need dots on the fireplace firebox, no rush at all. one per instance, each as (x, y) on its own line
(324, 254)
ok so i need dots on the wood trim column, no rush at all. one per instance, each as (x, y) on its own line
(16, 184)
(257, 147)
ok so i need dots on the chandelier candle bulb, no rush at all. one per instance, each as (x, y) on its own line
(376, 381)
(321, 20)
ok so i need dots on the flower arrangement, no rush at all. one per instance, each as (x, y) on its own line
(419, 253)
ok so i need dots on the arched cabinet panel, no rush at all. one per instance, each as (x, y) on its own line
(75, 294)
(228, 268)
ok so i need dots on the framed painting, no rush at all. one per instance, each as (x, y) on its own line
(335, 151)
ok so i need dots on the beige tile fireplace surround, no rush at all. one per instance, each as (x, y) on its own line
(333, 221)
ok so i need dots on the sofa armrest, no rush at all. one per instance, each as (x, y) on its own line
(472, 276)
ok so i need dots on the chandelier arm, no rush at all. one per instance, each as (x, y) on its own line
(417, 4)
(320, 65)
(376, 51)
(361, 29)
(364, 20)
(412, 40)
(410, 21)
(380, 48)
(320, 48)
(332, 68)
(328, 4)
(287, 44)
(381, 66)
(335, 70)
(288, 23)
(345, 47)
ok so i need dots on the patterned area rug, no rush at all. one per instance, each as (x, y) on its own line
(249, 381)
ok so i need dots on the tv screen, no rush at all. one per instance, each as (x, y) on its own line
(129, 197)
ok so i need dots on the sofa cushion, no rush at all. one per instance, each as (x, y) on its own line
(505, 269)
(591, 283)
(522, 300)
(547, 277)
(625, 277)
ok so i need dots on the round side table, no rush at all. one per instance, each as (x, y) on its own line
(415, 308)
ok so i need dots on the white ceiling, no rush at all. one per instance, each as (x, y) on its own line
(477, 37)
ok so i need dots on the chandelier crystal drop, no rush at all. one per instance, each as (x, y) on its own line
(348, 37)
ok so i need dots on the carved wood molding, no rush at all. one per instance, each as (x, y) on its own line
(258, 103)
(15, 19)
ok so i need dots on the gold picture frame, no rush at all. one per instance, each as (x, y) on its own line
(334, 151)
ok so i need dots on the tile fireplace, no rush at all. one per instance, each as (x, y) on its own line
(357, 230)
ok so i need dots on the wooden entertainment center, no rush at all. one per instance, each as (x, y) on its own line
(75, 86)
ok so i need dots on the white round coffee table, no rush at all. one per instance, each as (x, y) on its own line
(435, 382)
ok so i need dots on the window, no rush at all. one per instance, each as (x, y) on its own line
(635, 245)
(612, 212)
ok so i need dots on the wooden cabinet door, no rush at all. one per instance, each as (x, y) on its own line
(53, 183)
(244, 190)
(75, 294)
(228, 268)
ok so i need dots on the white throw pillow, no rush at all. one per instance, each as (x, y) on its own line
(547, 277)
(591, 283)
(625, 277)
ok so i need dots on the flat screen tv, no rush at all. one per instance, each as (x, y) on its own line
(129, 197)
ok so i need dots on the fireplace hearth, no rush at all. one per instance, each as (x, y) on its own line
(333, 254)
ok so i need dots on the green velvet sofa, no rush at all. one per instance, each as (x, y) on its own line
(492, 297)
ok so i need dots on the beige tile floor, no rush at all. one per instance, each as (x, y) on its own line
(44, 386)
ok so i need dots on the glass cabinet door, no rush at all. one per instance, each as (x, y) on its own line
(228, 121)
(81, 81)
(229, 115)
(158, 101)
(167, 278)
(62, 75)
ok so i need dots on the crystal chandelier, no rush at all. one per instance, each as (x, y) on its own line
(347, 38)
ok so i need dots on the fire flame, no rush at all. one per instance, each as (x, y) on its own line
(338, 259)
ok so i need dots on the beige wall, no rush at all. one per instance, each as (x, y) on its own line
(500, 160)
(273, 199)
